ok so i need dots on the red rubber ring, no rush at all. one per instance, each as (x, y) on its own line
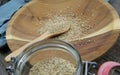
(106, 67)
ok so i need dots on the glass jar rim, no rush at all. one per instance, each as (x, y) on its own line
(24, 56)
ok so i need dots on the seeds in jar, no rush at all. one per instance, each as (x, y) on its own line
(53, 66)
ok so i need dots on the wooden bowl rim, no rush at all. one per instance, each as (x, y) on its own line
(110, 8)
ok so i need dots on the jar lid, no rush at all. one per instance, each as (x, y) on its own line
(106, 67)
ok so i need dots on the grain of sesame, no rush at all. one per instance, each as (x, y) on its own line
(53, 66)
(78, 25)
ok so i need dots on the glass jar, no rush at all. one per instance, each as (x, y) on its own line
(43, 50)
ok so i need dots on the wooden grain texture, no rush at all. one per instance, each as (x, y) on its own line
(25, 24)
(112, 55)
(46, 35)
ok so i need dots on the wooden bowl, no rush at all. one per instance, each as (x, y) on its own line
(99, 32)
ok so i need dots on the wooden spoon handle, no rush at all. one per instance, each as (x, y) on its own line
(18, 51)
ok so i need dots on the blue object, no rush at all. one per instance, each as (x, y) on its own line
(6, 12)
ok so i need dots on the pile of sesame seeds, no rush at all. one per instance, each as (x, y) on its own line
(53, 66)
(77, 23)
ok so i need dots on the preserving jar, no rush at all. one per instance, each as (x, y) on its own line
(41, 50)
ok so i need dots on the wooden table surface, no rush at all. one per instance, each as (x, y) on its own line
(112, 55)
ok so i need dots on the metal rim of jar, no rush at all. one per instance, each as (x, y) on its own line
(24, 56)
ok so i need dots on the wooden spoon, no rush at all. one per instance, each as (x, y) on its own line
(56, 30)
